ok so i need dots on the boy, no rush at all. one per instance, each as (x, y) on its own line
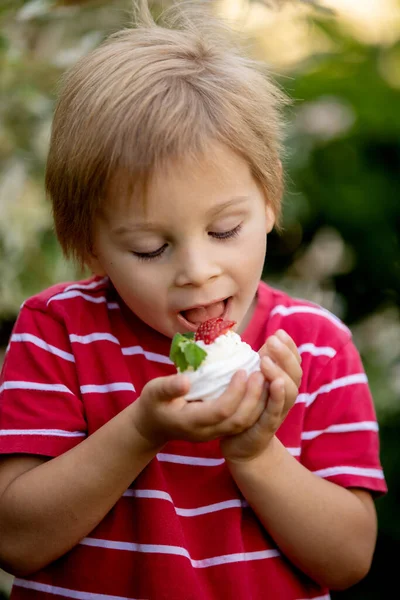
(165, 179)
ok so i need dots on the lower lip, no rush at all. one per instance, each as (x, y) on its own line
(188, 326)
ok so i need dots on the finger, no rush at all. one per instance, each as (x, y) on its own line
(259, 405)
(272, 372)
(250, 408)
(289, 342)
(211, 413)
(285, 358)
(167, 388)
(276, 405)
(280, 402)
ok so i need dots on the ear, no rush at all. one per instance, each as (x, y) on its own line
(270, 215)
(269, 218)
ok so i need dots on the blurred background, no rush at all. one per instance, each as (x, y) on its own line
(339, 60)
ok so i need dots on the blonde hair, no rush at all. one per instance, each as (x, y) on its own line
(150, 94)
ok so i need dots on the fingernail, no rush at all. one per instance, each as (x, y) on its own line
(283, 335)
(275, 342)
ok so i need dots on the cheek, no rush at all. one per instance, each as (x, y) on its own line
(251, 256)
(143, 282)
(247, 265)
(255, 244)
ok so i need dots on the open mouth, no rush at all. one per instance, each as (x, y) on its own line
(193, 317)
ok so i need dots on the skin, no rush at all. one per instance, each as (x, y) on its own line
(327, 531)
(186, 211)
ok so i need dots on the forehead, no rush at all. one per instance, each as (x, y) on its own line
(188, 185)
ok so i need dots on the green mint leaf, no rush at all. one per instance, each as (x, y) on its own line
(180, 361)
(189, 335)
(185, 353)
(194, 355)
(176, 354)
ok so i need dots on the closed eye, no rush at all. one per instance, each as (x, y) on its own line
(218, 235)
(225, 235)
(151, 255)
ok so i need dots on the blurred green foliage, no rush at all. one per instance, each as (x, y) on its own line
(340, 245)
(344, 168)
(351, 181)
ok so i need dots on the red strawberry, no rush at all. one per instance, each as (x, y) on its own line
(213, 328)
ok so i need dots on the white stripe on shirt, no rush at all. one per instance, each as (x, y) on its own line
(157, 494)
(33, 385)
(200, 461)
(179, 551)
(88, 339)
(76, 294)
(317, 350)
(190, 460)
(347, 470)
(234, 558)
(332, 385)
(58, 387)
(119, 386)
(153, 356)
(65, 592)
(287, 311)
(210, 508)
(325, 597)
(294, 451)
(187, 512)
(93, 337)
(43, 432)
(128, 351)
(28, 337)
(86, 286)
(341, 428)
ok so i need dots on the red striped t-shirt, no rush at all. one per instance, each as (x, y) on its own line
(182, 530)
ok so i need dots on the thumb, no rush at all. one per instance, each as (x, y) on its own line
(167, 388)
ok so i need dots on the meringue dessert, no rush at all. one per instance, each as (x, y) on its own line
(211, 356)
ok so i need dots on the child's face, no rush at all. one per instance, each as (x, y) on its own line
(194, 250)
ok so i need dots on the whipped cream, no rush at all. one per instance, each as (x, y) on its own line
(226, 355)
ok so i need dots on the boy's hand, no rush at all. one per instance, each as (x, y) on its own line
(162, 413)
(280, 365)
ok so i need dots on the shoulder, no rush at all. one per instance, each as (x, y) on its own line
(65, 307)
(310, 325)
(92, 287)
(69, 296)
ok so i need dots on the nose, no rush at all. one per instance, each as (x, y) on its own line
(196, 266)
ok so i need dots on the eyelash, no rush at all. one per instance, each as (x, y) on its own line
(150, 255)
(225, 235)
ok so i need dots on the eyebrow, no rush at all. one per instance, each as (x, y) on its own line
(152, 226)
(233, 202)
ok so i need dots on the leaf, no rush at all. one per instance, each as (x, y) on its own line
(194, 355)
(185, 353)
(180, 361)
(175, 350)
(189, 335)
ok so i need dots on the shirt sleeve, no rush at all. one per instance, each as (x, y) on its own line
(41, 411)
(340, 439)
